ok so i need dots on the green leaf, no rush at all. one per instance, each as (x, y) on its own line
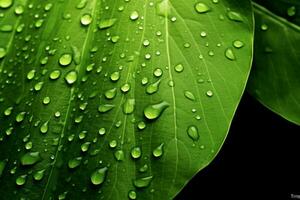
(274, 80)
(119, 99)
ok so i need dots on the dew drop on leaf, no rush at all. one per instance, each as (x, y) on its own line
(98, 176)
(192, 132)
(201, 8)
(30, 158)
(158, 151)
(142, 182)
(153, 111)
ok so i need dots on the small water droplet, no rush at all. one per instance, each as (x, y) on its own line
(20, 117)
(21, 180)
(201, 8)
(179, 68)
(106, 23)
(75, 162)
(44, 127)
(143, 182)
(119, 155)
(234, 16)
(136, 152)
(105, 108)
(238, 44)
(128, 106)
(38, 175)
(189, 95)
(134, 15)
(192, 132)
(153, 87)
(230, 54)
(158, 151)
(54, 74)
(209, 93)
(2, 52)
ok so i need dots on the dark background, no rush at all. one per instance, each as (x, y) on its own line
(259, 160)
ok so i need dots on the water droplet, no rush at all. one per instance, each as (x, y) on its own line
(132, 195)
(85, 146)
(238, 44)
(81, 4)
(128, 106)
(30, 158)
(134, 15)
(54, 74)
(46, 100)
(230, 54)
(98, 176)
(153, 111)
(119, 155)
(65, 59)
(31, 74)
(38, 175)
(6, 3)
(209, 93)
(110, 94)
(105, 108)
(153, 88)
(86, 19)
(234, 16)
(163, 8)
(264, 27)
(21, 180)
(158, 151)
(20, 117)
(113, 144)
(75, 162)
(141, 125)
(115, 76)
(189, 95)
(143, 182)
(125, 88)
(19, 10)
(2, 52)
(158, 72)
(102, 131)
(136, 152)
(192, 132)
(38, 86)
(146, 43)
(44, 127)
(144, 168)
(106, 23)
(291, 11)
(179, 68)
(71, 77)
(201, 8)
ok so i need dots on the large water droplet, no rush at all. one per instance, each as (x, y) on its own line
(44, 127)
(98, 176)
(153, 111)
(192, 132)
(30, 158)
(143, 182)
(6, 3)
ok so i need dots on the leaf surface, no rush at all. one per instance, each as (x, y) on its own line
(274, 80)
(119, 99)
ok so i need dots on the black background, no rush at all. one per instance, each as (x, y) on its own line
(259, 160)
